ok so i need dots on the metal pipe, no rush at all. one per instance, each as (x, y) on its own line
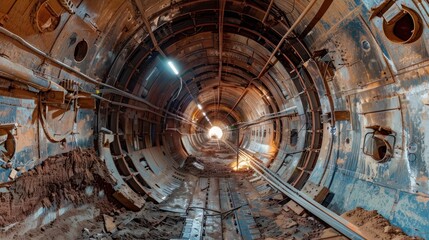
(84, 76)
(156, 44)
(283, 113)
(68, 68)
(263, 70)
(335, 221)
(113, 91)
(267, 119)
(26, 44)
(294, 25)
(177, 130)
(148, 27)
(182, 119)
(268, 11)
(220, 26)
(22, 74)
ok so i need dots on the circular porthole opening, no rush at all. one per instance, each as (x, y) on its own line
(366, 46)
(80, 51)
(406, 27)
(379, 149)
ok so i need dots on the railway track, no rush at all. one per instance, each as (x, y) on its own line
(220, 207)
(219, 211)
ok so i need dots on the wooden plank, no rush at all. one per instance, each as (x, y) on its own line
(330, 233)
(295, 207)
(342, 115)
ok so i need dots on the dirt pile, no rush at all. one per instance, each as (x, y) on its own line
(76, 177)
(90, 223)
(374, 226)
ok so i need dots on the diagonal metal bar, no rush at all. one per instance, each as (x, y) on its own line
(265, 68)
(267, 13)
(340, 224)
(155, 43)
(149, 28)
(332, 219)
(220, 27)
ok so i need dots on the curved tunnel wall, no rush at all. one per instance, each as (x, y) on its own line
(329, 85)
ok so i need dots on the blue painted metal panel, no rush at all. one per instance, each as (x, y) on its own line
(342, 186)
(411, 213)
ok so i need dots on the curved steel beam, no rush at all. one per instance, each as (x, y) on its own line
(290, 30)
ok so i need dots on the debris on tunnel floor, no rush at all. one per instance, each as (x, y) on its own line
(234, 205)
(234, 118)
(148, 223)
(66, 197)
(216, 159)
(274, 219)
(60, 182)
(179, 200)
(374, 225)
(71, 189)
(89, 222)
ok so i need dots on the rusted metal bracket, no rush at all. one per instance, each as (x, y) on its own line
(379, 137)
(338, 116)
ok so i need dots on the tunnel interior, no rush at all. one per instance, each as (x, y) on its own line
(320, 103)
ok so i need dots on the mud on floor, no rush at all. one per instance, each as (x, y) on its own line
(65, 179)
(76, 177)
(77, 181)
(374, 226)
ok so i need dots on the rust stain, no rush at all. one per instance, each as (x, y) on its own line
(422, 179)
(25, 138)
(5, 113)
(422, 199)
(341, 161)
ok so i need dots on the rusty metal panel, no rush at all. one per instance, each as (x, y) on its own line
(342, 115)
(402, 55)
(384, 104)
(393, 173)
(415, 223)
(359, 60)
(6, 5)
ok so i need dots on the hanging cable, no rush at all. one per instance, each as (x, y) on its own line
(180, 89)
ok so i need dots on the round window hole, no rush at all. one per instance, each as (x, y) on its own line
(347, 140)
(379, 149)
(365, 45)
(80, 51)
(406, 27)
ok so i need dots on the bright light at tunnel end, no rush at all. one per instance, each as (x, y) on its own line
(170, 63)
(215, 132)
